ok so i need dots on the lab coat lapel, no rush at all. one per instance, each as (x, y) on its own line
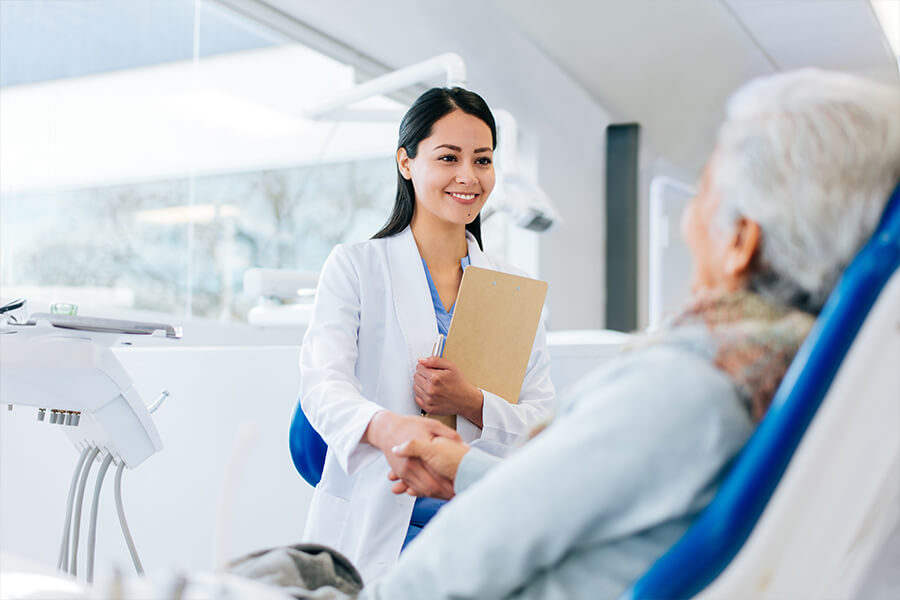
(477, 258)
(412, 297)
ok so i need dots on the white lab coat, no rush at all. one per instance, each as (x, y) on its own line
(373, 318)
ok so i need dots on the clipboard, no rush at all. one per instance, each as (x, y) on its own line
(495, 319)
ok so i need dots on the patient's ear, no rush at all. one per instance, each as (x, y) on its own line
(742, 247)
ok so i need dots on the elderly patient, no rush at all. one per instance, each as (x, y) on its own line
(796, 184)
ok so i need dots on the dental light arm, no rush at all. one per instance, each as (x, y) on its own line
(516, 195)
(450, 64)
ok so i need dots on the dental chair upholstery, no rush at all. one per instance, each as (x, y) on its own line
(811, 496)
(307, 447)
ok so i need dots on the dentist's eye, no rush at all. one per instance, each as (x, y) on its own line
(447, 158)
(484, 160)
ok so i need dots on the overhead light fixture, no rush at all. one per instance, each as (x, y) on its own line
(888, 13)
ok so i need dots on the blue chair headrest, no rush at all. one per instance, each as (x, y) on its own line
(719, 532)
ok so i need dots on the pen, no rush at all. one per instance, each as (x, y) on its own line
(436, 350)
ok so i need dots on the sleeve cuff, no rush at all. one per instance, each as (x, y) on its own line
(501, 424)
(353, 454)
(474, 464)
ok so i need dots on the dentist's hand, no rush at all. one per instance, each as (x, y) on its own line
(441, 455)
(387, 430)
(441, 389)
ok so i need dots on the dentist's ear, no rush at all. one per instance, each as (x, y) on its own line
(403, 163)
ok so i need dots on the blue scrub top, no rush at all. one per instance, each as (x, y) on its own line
(441, 314)
(425, 508)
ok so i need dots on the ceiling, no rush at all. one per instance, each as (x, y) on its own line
(671, 65)
(666, 64)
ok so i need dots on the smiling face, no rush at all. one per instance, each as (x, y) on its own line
(453, 171)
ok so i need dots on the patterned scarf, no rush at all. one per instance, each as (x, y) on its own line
(750, 339)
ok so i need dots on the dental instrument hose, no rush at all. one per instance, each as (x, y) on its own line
(126, 532)
(64, 543)
(79, 500)
(95, 506)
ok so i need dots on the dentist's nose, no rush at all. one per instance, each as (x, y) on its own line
(466, 174)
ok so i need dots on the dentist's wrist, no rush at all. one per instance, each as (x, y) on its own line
(474, 407)
(375, 432)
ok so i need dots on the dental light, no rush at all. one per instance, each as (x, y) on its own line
(515, 194)
(63, 365)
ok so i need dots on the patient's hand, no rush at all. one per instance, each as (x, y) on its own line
(386, 430)
(440, 454)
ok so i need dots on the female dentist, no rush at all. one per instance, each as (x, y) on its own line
(379, 307)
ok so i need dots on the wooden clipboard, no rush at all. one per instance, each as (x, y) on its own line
(492, 332)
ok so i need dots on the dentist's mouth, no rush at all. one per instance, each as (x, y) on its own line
(463, 198)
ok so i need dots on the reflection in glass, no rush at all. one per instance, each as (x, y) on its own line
(126, 246)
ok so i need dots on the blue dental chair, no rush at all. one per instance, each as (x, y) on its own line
(758, 485)
(307, 448)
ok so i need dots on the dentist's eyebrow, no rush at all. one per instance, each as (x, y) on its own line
(458, 149)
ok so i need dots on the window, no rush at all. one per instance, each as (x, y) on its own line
(156, 149)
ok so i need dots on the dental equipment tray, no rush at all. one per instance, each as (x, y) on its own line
(102, 325)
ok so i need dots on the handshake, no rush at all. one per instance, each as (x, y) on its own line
(423, 454)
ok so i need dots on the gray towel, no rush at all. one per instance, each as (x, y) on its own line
(306, 571)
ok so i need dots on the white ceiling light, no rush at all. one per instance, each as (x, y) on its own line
(888, 13)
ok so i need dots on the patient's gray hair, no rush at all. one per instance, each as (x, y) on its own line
(812, 157)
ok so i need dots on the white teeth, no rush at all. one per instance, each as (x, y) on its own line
(462, 196)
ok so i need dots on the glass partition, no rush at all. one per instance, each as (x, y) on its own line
(153, 150)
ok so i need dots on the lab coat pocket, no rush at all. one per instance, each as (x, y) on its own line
(327, 518)
(335, 481)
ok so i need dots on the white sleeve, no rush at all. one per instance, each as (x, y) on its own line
(505, 423)
(330, 394)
